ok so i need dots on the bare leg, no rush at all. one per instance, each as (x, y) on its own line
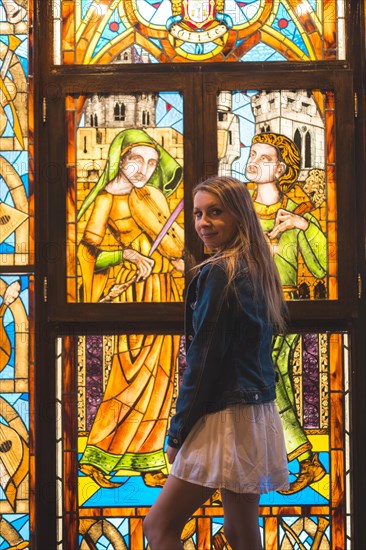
(241, 520)
(176, 503)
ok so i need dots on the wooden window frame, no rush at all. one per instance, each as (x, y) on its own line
(199, 83)
(199, 89)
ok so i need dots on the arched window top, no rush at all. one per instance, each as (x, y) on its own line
(226, 32)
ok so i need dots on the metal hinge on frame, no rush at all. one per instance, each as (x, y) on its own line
(44, 110)
(359, 286)
(356, 104)
(45, 289)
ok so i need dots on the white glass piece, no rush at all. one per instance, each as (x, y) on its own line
(57, 32)
(341, 30)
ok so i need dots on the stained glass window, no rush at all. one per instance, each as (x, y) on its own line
(121, 474)
(16, 289)
(16, 146)
(125, 197)
(16, 403)
(198, 30)
(280, 143)
(124, 236)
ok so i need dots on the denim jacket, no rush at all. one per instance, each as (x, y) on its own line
(228, 341)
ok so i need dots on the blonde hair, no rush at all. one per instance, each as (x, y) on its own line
(287, 153)
(248, 244)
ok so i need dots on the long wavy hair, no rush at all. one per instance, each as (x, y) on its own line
(248, 244)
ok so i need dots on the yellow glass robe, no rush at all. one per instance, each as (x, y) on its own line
(130, 426)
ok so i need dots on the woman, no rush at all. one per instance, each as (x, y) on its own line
(129, 203)
(226, 432)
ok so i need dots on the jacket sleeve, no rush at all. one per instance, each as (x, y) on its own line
(205, 356)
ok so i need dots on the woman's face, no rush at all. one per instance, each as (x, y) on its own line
(263, 165)
(215, 226)
(139, 163)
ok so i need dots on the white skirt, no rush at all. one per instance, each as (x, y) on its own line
(241, 449)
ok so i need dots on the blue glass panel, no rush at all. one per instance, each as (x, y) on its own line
(20, 403)
(262, 52)
(156, 13)
(285, 25)
(85, 5)
(113, 28)
(169, 111)
(13, 326)
(20, 523)
(198, 49)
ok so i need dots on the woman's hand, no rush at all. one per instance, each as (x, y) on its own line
(144, 265)
(287, 220)
(171, 454)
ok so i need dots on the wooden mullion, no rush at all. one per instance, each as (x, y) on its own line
(43, 522)
(356, 47)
